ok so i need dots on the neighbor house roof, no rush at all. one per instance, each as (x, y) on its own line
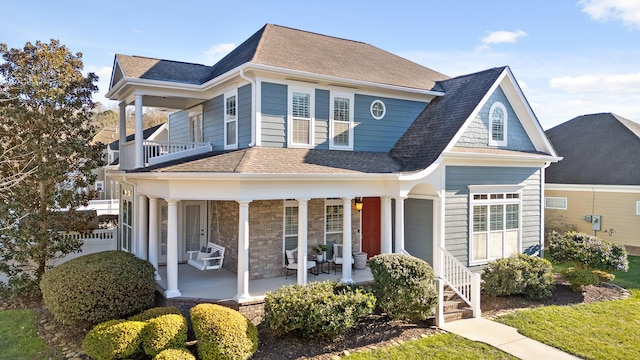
(108, 133)
(146, 133)
(282, 47)
(282, 161)
(439, 122)
(599, 149)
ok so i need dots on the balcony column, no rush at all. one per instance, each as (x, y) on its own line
(346, 241)
(243, 252)
(302, 240)
(154, 239)
(386, 230)
(172, 249)
(143, 227)
(399, 224)
(123, 133)
(139, 134)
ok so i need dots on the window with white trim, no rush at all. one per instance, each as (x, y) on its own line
(126, 235)
(301, 113)
(637, 207)
(231, 119)
(334, 217)
(341, 121)
(498, 124)
(378, 109)
(558, 203)
(495, 226)
(290, 227)
(99, 186)
(195, 124)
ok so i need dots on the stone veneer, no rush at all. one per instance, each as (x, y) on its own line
(266, 233)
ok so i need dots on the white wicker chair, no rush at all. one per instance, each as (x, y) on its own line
(209, 259)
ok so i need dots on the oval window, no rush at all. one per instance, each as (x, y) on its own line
(378, 109)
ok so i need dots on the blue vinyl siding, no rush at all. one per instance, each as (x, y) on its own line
(477, 134)
(274, 115)
(213, 122)
(321, 133)
(380, 135)
(418, 228)
(244, 116)
(179, 126)
(457, 204)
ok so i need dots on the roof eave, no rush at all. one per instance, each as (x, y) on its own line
(209, 176)
(480, 156)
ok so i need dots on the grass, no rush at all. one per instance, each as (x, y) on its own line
(440, 346)
(19, 338)
(631, 278)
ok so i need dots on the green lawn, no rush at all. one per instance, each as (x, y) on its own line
(19, 338)
(441, 346)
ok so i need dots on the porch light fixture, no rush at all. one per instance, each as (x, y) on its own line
(358, 203)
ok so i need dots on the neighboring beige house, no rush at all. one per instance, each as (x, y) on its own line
(595, 189)
(108, 135)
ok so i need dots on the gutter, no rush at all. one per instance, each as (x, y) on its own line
(253, 106)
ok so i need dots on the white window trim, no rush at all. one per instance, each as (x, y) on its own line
(196, 118)
(351, 97)
(312, 106)
(227, 95)
(287, 203)
(333, 202)
(99, 188)
(481, 189)
(384, 109)
(547, 206)
(503, 142)
(637, 207)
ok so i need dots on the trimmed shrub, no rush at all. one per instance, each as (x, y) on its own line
(579, 277)
(403, 286)
(164, 332)
(588, 251)
(175, 354)
(98, 287)
(155, 312)
(320, 309)
(114, 339)
(519, 274)
(223, 333)
(604, 276)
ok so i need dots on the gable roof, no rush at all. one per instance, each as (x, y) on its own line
(441, 120)
(598, 149)
(108, 133)
(286, 48)
(146, 133)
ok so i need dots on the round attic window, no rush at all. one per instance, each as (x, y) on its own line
(378, 109)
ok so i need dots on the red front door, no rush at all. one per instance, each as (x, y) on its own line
(371, 226)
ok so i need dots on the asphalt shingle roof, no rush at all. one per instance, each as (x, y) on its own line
(146, 133)
(597, 149)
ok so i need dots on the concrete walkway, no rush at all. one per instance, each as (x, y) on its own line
(504, 338)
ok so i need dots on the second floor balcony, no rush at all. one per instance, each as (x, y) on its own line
(159, 151)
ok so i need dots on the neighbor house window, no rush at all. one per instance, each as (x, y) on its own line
(637, 207)
(495, 226)
(301, 112)
(334, 217)
(341, 122)
(559, 203)
(99, 186)
(498, 124)
(231, 120)
(290, 238)
(195, 124)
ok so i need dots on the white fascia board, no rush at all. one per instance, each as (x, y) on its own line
(593, 187)
(421, 174)
(498, 157)
(206, 176)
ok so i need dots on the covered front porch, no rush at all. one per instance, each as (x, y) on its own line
(222, 284)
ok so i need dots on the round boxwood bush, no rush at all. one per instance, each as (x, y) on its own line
(164, 332)
(114, 339)
(98, 287)
(223, 333)
(580, 277)
(175, 354)
(155, 312)
(518, 274)
(588, 251)
(403, 286)
(319, 309)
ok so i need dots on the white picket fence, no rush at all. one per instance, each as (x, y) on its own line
(96, 241)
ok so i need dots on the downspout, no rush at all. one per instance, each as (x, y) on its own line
(253, 107)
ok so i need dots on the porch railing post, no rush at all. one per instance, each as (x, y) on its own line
(440, 305)
(475, 295)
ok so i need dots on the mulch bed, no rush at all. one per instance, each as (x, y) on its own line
(373, 332)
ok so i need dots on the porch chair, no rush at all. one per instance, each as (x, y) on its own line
(337, 257)
(292, 263)
(207, 258)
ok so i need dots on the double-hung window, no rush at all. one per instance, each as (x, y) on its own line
(195, 124)
(231, 119)
(341, 122)
(498, 124)
(495, 225)
(290, 233)
(301, 114)
(334, 217)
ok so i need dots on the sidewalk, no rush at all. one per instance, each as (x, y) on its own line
(504, 338)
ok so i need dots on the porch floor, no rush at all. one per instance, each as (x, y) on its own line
(221, 284)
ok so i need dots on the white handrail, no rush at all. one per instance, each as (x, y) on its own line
(464, 282)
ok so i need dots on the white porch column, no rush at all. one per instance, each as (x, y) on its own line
(243, 252)
(303, 206)
(385, 213)
(123, 133)
(154, 237)
(346, 241)
(399, 224)
(139, 134)
(143, 227)
(172, 249)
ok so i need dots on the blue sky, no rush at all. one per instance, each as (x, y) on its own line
(570, 57)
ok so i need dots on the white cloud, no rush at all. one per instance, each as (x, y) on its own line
(218, 51)
(500, 37)
(628, 11)
(614, 83)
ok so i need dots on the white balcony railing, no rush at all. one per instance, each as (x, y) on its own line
(158, 151)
